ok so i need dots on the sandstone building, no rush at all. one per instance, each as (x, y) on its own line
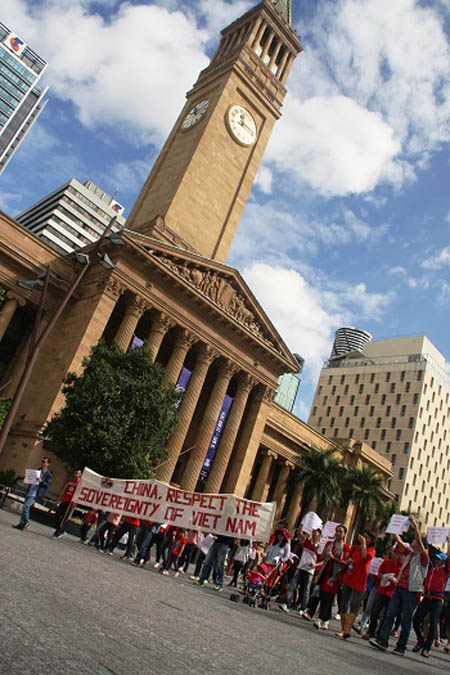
(171, 288)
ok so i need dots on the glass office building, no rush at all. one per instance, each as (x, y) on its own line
(21, 101)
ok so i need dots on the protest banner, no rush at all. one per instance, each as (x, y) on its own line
(437, 535)
(31, 476)
(398, 524)
(152, 500)
(311, 522)
(329, 529)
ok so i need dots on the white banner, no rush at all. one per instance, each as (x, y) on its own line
(438, 535)
(374, 566)
(311, 522)
(152, 500)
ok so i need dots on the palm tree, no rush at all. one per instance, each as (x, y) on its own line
(365, 489)
(320, 473)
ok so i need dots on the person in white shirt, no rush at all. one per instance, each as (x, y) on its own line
(279, 550)
(304, 573)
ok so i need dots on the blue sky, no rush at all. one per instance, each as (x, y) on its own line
(354, 185)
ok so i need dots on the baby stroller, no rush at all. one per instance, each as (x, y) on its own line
(260, 584)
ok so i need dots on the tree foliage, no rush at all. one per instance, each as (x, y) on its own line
(5, 404)
(364, 488)
(118, 414)
(320, 473)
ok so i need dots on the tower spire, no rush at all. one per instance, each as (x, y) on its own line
(285, 9)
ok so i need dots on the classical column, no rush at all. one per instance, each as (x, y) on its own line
(134, 310)
(287, 67)
(259, 34)
(295, 506)
(267, 46)
(254, 31)
(10, 305)
(276, 51)
(183, 342)
(206, 430)
(160, 326)
(205, 357)
(263, 475)
(249, 442)
(279, 495)
(226, 444)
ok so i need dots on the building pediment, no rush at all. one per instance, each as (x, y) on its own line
(217, 283)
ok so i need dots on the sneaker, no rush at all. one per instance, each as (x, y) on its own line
(19, 526)
(218, 588)
(357, 629)
(377, 644)
(180, 572)
(157, 566)
(108, 552)
(125, 557)
(317, 624)
(301, 612)
(284, 607)
(165, 573)
(337, 617)
(199, 582)
(194, 578)
(324, 625)
(307, 616)
(59, 535)
(177, 574)
(399, 651)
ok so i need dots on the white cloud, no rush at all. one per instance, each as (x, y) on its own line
(398, 271)
(264, 179)
(334, 145)
(437, 261)
(307, 316)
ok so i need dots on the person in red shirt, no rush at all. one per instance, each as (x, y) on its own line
(129, 525)
(89, 519)
(179, 542)
(432, 601)
(65, 504)
(334, 555)
(354, 581)
(385, 583)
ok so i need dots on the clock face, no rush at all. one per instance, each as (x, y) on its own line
(241, 124)
(195, 115)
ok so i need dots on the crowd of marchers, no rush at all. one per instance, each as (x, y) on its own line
(411, 587)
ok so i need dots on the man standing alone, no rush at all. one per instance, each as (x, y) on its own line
(35, 493)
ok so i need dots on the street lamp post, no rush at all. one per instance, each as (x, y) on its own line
(37, 342)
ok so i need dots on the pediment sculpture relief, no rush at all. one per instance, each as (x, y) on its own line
(220, 290)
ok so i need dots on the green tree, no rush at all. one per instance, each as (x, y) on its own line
(118, 414)
(320, 472)
(365, 489)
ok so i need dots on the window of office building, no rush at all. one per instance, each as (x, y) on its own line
(403, 411)
(408, 387)
(410, 422)
(356, 379)
(406, 448)
(342, 379)
(398, 434)
(388, 376)
(392, 389)
(377, 388)
(371, 410)
(346, 389)
(367, 399)
(383, 434)
(362, 421)
(330, 379)
(402, 375)
(383, 399)
(398, 398)
(366, 434)
(361, 388)
(401, 473)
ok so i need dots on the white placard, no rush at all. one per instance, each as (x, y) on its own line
(311, 522)
(330, 529)
(322, 543)
(386, 579)
(31, 476)
(206, 543)
(375, 565)
(398, 524)
(437, 535)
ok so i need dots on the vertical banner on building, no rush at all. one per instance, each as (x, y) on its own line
(136, 343)
(226, 405)
(182, 383)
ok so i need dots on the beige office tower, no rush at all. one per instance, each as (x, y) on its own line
(395, 396)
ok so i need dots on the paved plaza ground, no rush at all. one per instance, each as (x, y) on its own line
(69, 609)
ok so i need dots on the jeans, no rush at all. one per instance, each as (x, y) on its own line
(433, 608)
(368, 609)
(215, 560)
(199, 563)
(84, 529)
(237, 568)
(172, 559)
(123, 529)
(301, 579)
(143, 543)
(107, 529)
(378, 611)
(404, 602)
(187, 556)
(28, 503)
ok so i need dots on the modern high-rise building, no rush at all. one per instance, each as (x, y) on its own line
(21, 101)
(394, 396)
(73, 216)
(348, 339)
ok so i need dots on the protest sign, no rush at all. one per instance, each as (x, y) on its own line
(206, 543)
(375, 565)
(311, 522)
(31, 476)
(437, 535)
(398, 524)
(152, 500)
(329, 529)
(386, 579)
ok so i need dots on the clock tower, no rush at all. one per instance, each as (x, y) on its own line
(199, 185)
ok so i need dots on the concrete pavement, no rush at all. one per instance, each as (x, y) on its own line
(68, 609)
